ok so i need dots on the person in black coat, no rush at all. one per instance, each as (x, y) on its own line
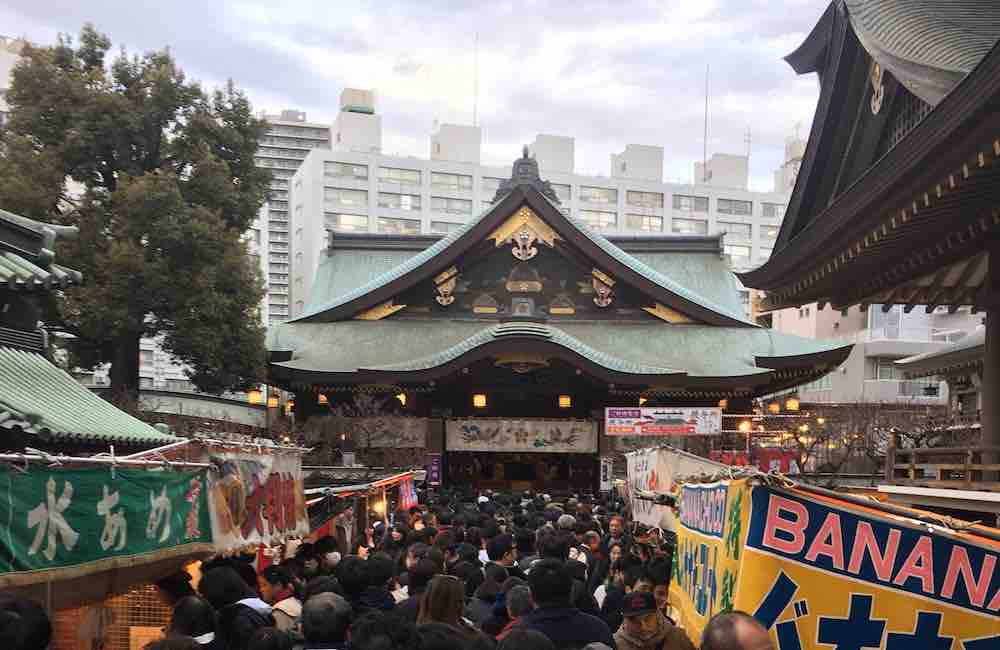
(241, 612)
(555, 617)
(193, 616)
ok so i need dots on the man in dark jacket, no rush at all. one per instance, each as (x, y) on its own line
(566, 626)
(345, 531)
(325, 620)
(420, 577)
(241, 612)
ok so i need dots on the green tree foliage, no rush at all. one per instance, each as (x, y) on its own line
(159, 177)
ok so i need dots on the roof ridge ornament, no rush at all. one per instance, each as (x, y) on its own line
(525, 171)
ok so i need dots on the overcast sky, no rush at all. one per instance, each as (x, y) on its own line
(606, 73)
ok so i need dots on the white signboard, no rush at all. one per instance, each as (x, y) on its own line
(607, 474)
(663, 421)
(646, 474)
(654, 470)
(486, 434)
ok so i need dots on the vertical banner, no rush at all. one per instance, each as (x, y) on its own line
(607, 473)
(257, 498)
(68, 523)
(647, 472)
(434, 469)
(710, 530)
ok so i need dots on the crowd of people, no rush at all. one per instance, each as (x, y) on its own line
(505, 572)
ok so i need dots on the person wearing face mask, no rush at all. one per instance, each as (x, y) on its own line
(645, 628)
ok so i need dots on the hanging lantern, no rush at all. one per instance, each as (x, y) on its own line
(792, 404)
(402, 398)
(272, 402)
(322, 399)
(255, 396)
(479, 400)
(745, 426)
(723, 404)
(565, 401)
(774, 408)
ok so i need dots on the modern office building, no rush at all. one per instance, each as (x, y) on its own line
(357, 189)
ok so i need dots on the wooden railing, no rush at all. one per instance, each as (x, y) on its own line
(964, 468)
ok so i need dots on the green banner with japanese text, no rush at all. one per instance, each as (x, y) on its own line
(63, 523)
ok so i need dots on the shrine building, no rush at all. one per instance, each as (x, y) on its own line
(495, 350)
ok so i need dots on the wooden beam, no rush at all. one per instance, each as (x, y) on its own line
(963, 279)
(935, 289)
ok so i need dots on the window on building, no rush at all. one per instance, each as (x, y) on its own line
(691, 203)
(444, 227)
(734, 206)
(145, 356)
(647, 223)
(606, 195)
(346, 222)
(644, 199)
(451, 206)
(769, 232)
(764, 254)
(344, 197)
(394, 175)
(735, 230)
(739, 256)
(145, 382)
(442, 181)
(489, 186)
(278, 278)
(277, 268)
(563, 192)
(399, 226)
(886, 369)
(776, 210)
(278, 257)
(345, 170)
(689, 226)
(399, 201)
(599, 220)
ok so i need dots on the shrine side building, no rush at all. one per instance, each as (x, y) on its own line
(499, 346)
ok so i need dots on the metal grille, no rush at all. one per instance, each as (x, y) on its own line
(907, 111)
(140, 607)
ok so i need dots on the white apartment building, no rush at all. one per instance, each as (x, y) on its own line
(288, 141)
(361, 190)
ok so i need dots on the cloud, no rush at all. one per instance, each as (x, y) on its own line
(608, 74)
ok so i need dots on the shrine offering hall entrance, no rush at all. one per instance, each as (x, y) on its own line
(517, 472)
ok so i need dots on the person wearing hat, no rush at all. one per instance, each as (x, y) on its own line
(645, 628)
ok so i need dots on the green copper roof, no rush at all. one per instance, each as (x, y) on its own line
(19, 274)
(706, 274)
(633, 348)
(340, 271)
(411, 264)
(535, 330)
(26, 255)
(331, 300)
(669, 283)
(40, 398)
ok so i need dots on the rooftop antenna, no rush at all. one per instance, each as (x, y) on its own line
(704, 141)
(475, 82)
(748, 138)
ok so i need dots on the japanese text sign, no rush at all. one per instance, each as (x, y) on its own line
(86, 519)
(663, 421)
(821, 572)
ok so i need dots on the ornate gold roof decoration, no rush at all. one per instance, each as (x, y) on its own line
(523, 230)
(668, 314)
(387, 308)
(521, 362)
(485, 304)
(523, 279)
(602, 283)
(445, 283)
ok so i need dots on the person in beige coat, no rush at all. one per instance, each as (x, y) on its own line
(276, 589)
(645, 628)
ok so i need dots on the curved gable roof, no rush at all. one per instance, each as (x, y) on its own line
(622, 266)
